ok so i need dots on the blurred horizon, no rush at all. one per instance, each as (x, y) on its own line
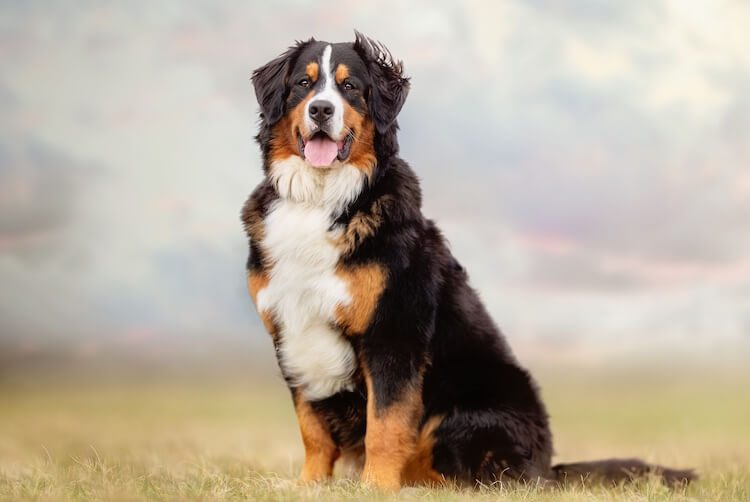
(587, 162)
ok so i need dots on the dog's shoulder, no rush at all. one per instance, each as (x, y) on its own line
(256, 207)
(390, 205)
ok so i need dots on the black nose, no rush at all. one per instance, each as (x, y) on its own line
(321, 110)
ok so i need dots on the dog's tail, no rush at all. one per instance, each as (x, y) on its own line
(616, 470)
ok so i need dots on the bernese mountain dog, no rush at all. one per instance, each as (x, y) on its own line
(387, 350)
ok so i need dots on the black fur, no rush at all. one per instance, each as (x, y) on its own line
(389, 86)
(271, 83)
(430, 330)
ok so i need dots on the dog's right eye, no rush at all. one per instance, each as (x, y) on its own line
(305, 82)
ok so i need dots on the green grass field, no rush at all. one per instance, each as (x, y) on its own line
(235, 439)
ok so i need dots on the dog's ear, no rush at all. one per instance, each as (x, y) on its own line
(389, 85)
(270, 83)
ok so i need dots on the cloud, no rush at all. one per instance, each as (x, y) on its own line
(38, 190)
(569, 271)
(586, 159)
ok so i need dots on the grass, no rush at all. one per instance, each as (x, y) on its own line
(234, 439)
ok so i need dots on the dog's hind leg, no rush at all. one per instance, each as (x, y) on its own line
(490, 446)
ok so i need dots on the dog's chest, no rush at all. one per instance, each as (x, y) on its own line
(302, 295)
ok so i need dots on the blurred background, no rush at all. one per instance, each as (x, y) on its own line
(587, 160)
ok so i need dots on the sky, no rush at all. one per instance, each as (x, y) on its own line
(587, 161)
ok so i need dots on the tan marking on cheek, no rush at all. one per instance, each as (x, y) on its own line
(298, 116)
(320, 451)
(284, 133)
(342, 73)
(365, 284)
(362, 154)
(391, 437)
(282, 145)
(312, 70)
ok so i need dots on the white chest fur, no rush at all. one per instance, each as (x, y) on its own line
(302, 294)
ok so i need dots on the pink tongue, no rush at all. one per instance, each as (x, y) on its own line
(321, 152)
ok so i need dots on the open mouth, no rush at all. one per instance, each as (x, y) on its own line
(320, 150)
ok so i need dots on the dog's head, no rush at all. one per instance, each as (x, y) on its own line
(330, 104)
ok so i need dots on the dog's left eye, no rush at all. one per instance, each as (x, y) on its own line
(348, 86)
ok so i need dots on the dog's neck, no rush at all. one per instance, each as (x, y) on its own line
(333, 189)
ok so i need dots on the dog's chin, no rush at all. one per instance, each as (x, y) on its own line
(320, 151)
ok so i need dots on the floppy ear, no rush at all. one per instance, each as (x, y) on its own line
(389, 85)
(270, 83)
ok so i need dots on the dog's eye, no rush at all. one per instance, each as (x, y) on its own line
(305, 82)
(348, 86)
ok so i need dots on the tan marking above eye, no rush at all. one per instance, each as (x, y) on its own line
(342, 73)
(312, 70)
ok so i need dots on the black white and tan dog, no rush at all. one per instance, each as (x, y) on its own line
(387, 350)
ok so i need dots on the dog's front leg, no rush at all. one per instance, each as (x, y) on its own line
(393, 355)
(392, 423)
(320, 450)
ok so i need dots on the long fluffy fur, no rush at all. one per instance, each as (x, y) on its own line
(386, 348)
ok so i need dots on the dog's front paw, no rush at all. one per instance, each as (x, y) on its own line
(381, 479)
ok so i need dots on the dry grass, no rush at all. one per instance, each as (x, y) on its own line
(235, 440)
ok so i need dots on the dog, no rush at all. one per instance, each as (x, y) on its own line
(387, 350)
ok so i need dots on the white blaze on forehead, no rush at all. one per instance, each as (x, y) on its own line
(330, 93)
